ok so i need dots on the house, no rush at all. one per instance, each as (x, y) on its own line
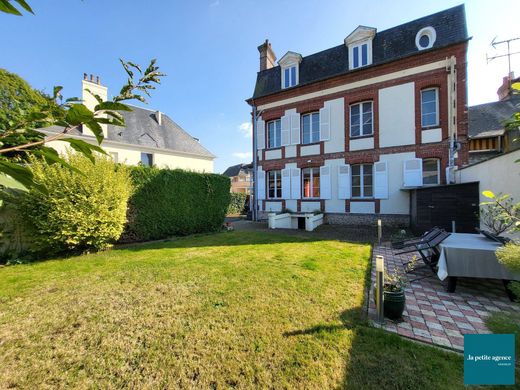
(150, 137)
(241, 178)
(351, 129)
(487, 135)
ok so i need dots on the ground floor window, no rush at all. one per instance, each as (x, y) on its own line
(431, 171)
(362, 181)
(311, 182)
(147, 159)
(274, 184)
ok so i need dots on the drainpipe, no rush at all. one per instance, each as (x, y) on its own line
(452, 116)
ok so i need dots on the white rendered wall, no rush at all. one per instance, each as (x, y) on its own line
(361, 144)
(397, 115)
(362, 207)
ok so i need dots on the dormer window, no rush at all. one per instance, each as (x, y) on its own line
(359, 44)
(289, 77)
(425, 38)
(290, 69)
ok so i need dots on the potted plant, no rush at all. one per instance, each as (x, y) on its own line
(394, 300)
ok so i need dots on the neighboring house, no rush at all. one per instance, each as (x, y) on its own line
(350, 130)
(150, 137)
(487, 135)
(241, 178)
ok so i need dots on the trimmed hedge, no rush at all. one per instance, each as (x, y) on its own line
(175, 202)
(238, 203)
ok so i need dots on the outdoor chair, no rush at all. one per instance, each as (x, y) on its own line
(429, 252)
(412, 242)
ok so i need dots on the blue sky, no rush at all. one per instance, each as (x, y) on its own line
(208, 49)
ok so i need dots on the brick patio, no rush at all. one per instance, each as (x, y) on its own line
(436, 317)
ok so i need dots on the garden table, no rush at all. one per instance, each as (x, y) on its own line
(472, 256)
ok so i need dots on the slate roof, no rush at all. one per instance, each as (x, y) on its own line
(389, 45)
(487, 120)
(142, 129)
(234, 170)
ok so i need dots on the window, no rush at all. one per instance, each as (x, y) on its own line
(425, 38)
(429, 107)
(147, 159)
(311, 182)
(361, 119)
(311, 128)
(289, 77)
(274, 134)
(274, 185)
(360, 56)
(430, 171)
(362, 182)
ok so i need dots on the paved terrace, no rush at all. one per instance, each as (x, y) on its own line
(434, 316)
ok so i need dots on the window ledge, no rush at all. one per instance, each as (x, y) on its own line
(311, 144)
(431, 127)
(362, 136)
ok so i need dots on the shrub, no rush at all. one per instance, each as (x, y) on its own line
(238, 203)
(175, 202)
(509, 256)
(81, 212)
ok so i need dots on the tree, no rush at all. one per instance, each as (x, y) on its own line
(24, 131)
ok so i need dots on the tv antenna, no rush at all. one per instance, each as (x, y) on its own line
(496, 43)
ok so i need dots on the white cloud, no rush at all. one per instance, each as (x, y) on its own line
(246, 129)
(243, 155)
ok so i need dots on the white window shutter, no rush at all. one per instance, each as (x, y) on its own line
(286, 183)
(324, 124)
(260, 183)
(295, 129)
(381, 180)
(325, 182)
(286, 130)
(295, 183)
(412, 172)
(344, 179)
(260, 134)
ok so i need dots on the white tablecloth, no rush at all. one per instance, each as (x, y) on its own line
(471, 255)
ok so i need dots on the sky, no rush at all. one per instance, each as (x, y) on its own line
(208, 49)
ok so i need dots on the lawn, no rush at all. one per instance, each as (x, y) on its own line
(240, 309)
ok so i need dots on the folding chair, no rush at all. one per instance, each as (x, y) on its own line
(411, 242)
(429, 252)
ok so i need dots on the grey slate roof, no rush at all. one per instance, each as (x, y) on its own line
(487, 119)
(142, 129)
(387, 46)
(234, 170)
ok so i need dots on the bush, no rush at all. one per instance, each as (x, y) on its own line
(238, 203)
(175, 202)
(81, 212)
(509, 256)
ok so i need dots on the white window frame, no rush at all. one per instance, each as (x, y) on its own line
(277, 179)
(268, 136)
(311, 182)
(430, 33)
(438, 160)
(359, 45)
(361, 119)
(296, 76)
(436, 124)
(361, 181)
(311, 129)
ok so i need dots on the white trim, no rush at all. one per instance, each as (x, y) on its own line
(357, 84)
(430, 33)
(310, 114)
(436, 124)
(267, 146)
(296, 78)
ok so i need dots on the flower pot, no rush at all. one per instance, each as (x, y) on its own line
(394, 303)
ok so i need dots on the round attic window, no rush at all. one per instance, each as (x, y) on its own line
(425, 38)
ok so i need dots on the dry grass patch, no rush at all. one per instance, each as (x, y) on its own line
(241, 309)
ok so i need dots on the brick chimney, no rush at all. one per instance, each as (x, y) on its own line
(504, 91)
(267, 56)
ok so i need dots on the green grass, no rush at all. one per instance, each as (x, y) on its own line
(506, 323)
(230, 310)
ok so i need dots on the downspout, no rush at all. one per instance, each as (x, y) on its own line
(452, 118)
(255, 166)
